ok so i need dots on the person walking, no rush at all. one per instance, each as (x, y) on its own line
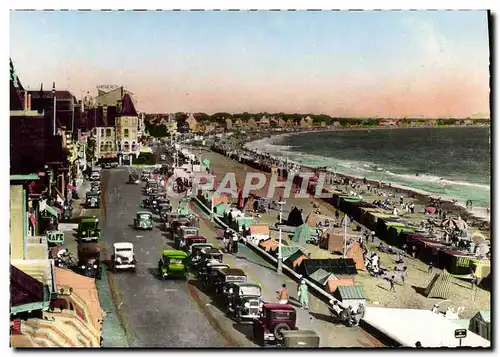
(283, 295)
(303, 295)
(429, 270)
(235, 243)
(393, 284)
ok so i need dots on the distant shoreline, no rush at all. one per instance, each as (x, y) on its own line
(479, 213)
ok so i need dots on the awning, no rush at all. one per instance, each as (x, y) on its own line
(51, 210)
(32, 220)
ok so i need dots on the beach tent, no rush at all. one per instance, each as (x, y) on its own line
(320, 276)
(220, 208)
(244, 222)
(259, 232)
(302, 234)
(440, 286)
(206, 163)
(268, 245)
(296, 258)
(295, 218)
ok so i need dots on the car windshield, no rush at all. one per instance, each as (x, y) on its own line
(122, 250)
(89, 225)
(250, 290)
(281, 315)
(236, 278)
(144, 216)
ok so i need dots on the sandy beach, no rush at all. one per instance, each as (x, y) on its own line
(376, 289)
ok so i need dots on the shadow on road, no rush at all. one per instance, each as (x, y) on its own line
(245, 329)
(326, 318)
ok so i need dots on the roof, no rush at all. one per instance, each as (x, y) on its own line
(26, 291)
(485, 315)
(124, 245)
(320, 275)
(262, 229)
(128, 108)
(338, 266)
(193, 236)
(144, 212)
(240, 283)
(213, 251)
(175, 253)
(274, 306)
(233, 271)
(85, 288)
(350, 292)
(29, 177)
(432, 330)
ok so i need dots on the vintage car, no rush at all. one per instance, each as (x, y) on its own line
(300, 339)
(89, 260)
(209, 271)
(152, 187)
(143, 220)
(92, 200)
(95, 186)
(88, 229)
(95, 175)
(173, 264)
(274, 319)
(243, 300)
(152, 200)
(133, 178)
(227, 276)
(212, 254)
(195, 252)
(123, 257)
(181, 233)
(189, 240)
(170, 217)
(177, 224)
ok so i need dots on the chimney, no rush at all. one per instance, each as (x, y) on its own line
(25, 100)
(121, 92)
(29, 102)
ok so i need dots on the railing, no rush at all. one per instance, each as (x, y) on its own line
(325, 295)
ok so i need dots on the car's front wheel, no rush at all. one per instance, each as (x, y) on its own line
(278, 331)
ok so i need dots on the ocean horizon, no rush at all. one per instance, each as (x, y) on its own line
(446, 162)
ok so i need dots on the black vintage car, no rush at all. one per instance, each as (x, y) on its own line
(244, 300)
(225, 277)
(89, 260)
(210, 272)
(92, 200)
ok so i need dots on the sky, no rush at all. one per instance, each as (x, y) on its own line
(347, 64)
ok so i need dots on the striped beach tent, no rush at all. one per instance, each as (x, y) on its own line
(440, 286)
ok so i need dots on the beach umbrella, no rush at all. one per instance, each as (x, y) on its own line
(449, 223)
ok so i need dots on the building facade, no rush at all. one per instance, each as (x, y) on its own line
(127, 127)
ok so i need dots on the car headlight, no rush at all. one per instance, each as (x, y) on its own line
(95, 266)
(83, 266)
(84, 232)
(247, 305)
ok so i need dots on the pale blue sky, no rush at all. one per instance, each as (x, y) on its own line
(232, 55)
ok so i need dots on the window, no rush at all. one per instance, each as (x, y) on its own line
(132, 121)
(103, 146)
(133, 146)
(108, 132)
(102, 132)
(126, 146)
(125, 133)
(109, 145)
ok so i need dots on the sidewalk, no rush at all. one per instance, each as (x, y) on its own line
(112, 331)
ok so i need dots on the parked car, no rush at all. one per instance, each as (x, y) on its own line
(182, 233)
(89, 260)
(143, 220)
(275, 319)
(208, 273)
(195, 252)
(243, 300)
(92, 200)
(95, 175)
(225, 276)
(300, 339)
(193, 239)
(123, 256)
(173, 264)
(88, 229)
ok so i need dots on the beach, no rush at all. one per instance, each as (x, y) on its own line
(376, 290)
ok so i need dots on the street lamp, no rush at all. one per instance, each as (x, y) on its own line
(280, 256)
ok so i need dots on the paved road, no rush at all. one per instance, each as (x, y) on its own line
(155, 313)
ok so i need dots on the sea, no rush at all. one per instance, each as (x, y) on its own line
(443, 162)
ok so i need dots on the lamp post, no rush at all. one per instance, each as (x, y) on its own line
(280, 257)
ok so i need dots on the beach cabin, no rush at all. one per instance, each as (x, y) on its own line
(342, 268)
(295, 259)
(259, 232)
(268, 245)
(220, 208)
(481, 324)
(243, 223)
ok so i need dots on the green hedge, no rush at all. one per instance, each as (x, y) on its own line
(144, 158)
